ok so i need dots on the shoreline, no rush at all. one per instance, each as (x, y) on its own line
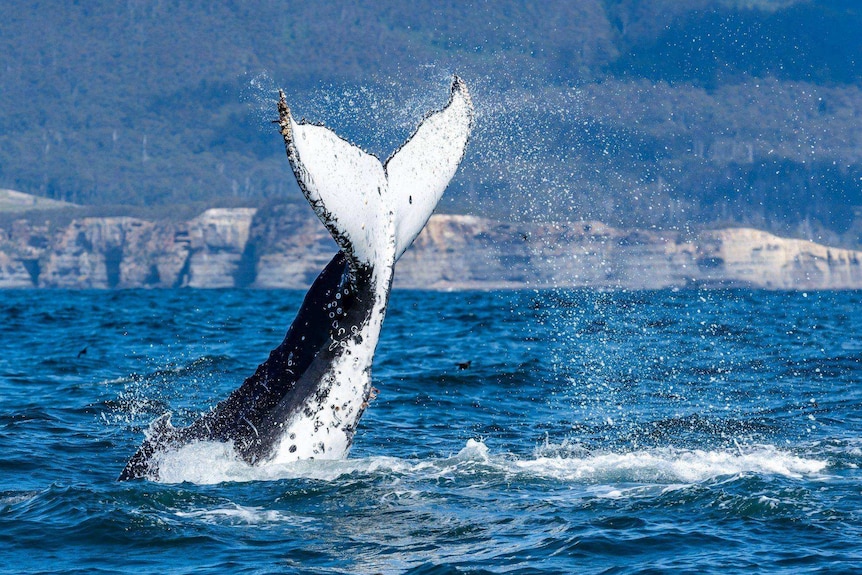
(285, 248)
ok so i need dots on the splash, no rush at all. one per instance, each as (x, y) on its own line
(261, 94)
(672, 465)
(508, 171)
(209, 463)
(235, 514)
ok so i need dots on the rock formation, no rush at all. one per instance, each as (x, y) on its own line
(458, 252)
(285, 247)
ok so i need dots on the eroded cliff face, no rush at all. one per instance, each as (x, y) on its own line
(218, 239)
(286, 247)
(102, 253)
(458, 252)
(761, 259)
(290, 247)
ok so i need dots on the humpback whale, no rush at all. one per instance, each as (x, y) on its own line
(306, 399)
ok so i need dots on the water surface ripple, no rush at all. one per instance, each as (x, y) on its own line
(594, 432)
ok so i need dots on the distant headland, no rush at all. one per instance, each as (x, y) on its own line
(285, 247)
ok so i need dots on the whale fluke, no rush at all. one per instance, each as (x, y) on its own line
(402, 192)
(419, 172)
(306, 399)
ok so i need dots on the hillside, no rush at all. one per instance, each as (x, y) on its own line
(638, 113)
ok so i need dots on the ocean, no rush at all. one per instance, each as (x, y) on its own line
(592, 432)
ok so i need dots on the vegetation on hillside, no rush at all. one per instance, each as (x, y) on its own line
(651, 113)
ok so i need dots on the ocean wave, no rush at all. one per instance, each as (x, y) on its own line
(672, 465)
(210, 462)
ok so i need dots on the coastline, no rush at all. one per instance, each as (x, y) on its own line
(284, 247)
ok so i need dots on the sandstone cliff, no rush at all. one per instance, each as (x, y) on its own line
(458, 252)
(286, 247)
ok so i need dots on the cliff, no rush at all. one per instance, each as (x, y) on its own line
(458, 252)
(285, 247)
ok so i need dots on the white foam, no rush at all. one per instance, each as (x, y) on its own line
(211, 462)
(16, 499)
(235, 514)
(668, 468)
(671, 465)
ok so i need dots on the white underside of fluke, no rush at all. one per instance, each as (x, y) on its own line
(348, 191)
(371, 208)
(420, 171)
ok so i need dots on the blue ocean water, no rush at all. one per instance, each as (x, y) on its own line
(593, 432)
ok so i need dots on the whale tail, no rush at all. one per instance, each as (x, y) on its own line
(306, 399)
(374, 211)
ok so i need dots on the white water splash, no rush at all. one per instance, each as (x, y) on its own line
(207, 463)
(237, 514)
(671, 465)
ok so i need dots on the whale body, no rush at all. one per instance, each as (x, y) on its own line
(306, 399)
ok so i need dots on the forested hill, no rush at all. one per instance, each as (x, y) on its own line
(634, 112)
